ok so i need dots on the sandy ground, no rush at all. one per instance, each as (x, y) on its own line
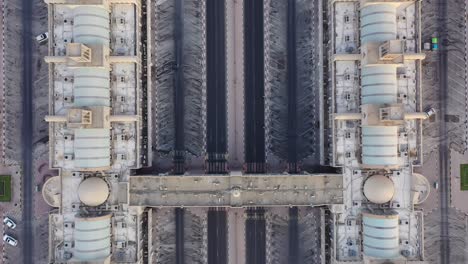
(12, 80)
(10, 108)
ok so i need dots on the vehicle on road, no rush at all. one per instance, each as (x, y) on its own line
(436, 185)
(9, 222)
(42, 37)
(10, 240)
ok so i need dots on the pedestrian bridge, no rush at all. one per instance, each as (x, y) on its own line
(236, 190)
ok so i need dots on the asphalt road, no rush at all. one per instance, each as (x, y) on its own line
(26, 134)
(443, 147)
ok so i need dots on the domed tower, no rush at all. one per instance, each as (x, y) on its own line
(93, 191)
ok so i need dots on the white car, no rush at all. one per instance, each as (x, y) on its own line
(9, 222)
(42, 37)
(10, 240)
(430, 112)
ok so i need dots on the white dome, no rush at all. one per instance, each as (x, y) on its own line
(379, 189)
(93, 191)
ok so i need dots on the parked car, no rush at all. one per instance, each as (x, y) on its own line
(42, 37)
(436, 185)
(10, 240)
(9, 222)
(435, 43)
(430, 112)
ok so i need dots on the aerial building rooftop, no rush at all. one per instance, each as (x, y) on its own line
(98, 125)
(375, 130)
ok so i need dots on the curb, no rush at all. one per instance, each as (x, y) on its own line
(3, 244)
(3, 100)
